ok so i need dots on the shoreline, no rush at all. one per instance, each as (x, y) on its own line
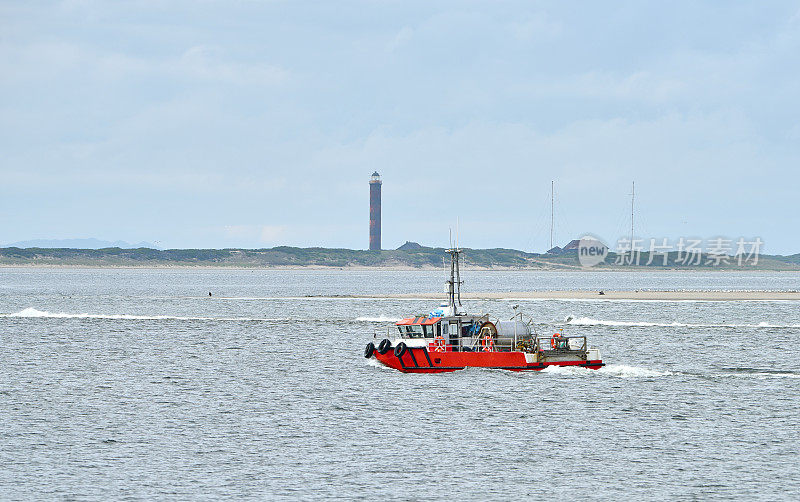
(390, 268)
(710, 296)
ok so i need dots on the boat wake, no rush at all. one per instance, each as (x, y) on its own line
(374, 362)
(588, 321)
(759, 373)
(624, 371)
(609, 370)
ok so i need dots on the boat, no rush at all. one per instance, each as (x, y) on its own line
(449, 339)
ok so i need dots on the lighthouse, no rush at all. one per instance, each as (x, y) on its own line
(375, 212)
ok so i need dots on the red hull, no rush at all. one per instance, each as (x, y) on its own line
(421, 360)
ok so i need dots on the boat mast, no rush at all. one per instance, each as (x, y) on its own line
(454, 283)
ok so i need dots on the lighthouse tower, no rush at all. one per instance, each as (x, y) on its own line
(375, 212)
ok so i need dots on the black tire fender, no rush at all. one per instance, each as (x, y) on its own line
(400, 350)
(369, 349)
(384, 346)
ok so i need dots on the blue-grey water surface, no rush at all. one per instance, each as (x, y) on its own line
(134, 384)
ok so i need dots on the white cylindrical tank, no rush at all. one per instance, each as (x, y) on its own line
(507, 329)
(506, 332)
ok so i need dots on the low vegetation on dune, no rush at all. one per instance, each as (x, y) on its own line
(407, 256)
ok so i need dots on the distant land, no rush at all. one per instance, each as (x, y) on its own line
(78, 244)
(408, 256)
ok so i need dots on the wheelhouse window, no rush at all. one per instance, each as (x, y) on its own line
(413, 331)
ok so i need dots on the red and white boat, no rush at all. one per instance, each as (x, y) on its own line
(449, 339)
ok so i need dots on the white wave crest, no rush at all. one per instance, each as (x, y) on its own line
(377, 364)
(588, 321)
(567, 370)
(610, 370)
(31, 312)
(377, 319)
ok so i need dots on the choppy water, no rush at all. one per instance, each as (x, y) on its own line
(134, 384)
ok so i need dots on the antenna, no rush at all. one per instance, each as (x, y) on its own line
(458, 278)
(633, 196)
(552, 210)
(456, 232)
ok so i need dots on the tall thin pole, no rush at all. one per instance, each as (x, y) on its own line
(456, 233)
(552, 210)
(633, 194)
(458, 270)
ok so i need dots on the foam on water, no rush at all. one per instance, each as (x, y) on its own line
(588, 321)
(31, 312)
(612, 370)
(375, 363)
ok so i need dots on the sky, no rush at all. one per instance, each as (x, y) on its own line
(255, 124)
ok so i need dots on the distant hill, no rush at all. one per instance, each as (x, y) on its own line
(411, 256)
(78, 244)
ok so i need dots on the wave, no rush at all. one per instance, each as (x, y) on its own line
(377, 319)
(588, 321)
(766, 375)
(31, 312)
(760, 373)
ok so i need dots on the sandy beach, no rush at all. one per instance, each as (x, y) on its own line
(618, 295)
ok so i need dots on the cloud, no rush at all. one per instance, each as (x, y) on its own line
(198, 64)
(402, 37)
(537, 26)
(207, 63)
(226, 109)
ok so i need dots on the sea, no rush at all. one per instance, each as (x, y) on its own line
(135, 384)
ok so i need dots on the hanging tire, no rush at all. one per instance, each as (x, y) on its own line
(384, 346)
(400, 350)
(369, 349)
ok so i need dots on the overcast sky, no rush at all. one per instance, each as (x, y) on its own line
(255, 124)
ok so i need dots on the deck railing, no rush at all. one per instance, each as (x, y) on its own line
(524, 343)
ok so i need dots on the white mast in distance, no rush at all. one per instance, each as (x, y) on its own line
(552, 210)
(633, 194)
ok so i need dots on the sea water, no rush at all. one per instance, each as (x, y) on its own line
(135, 384)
